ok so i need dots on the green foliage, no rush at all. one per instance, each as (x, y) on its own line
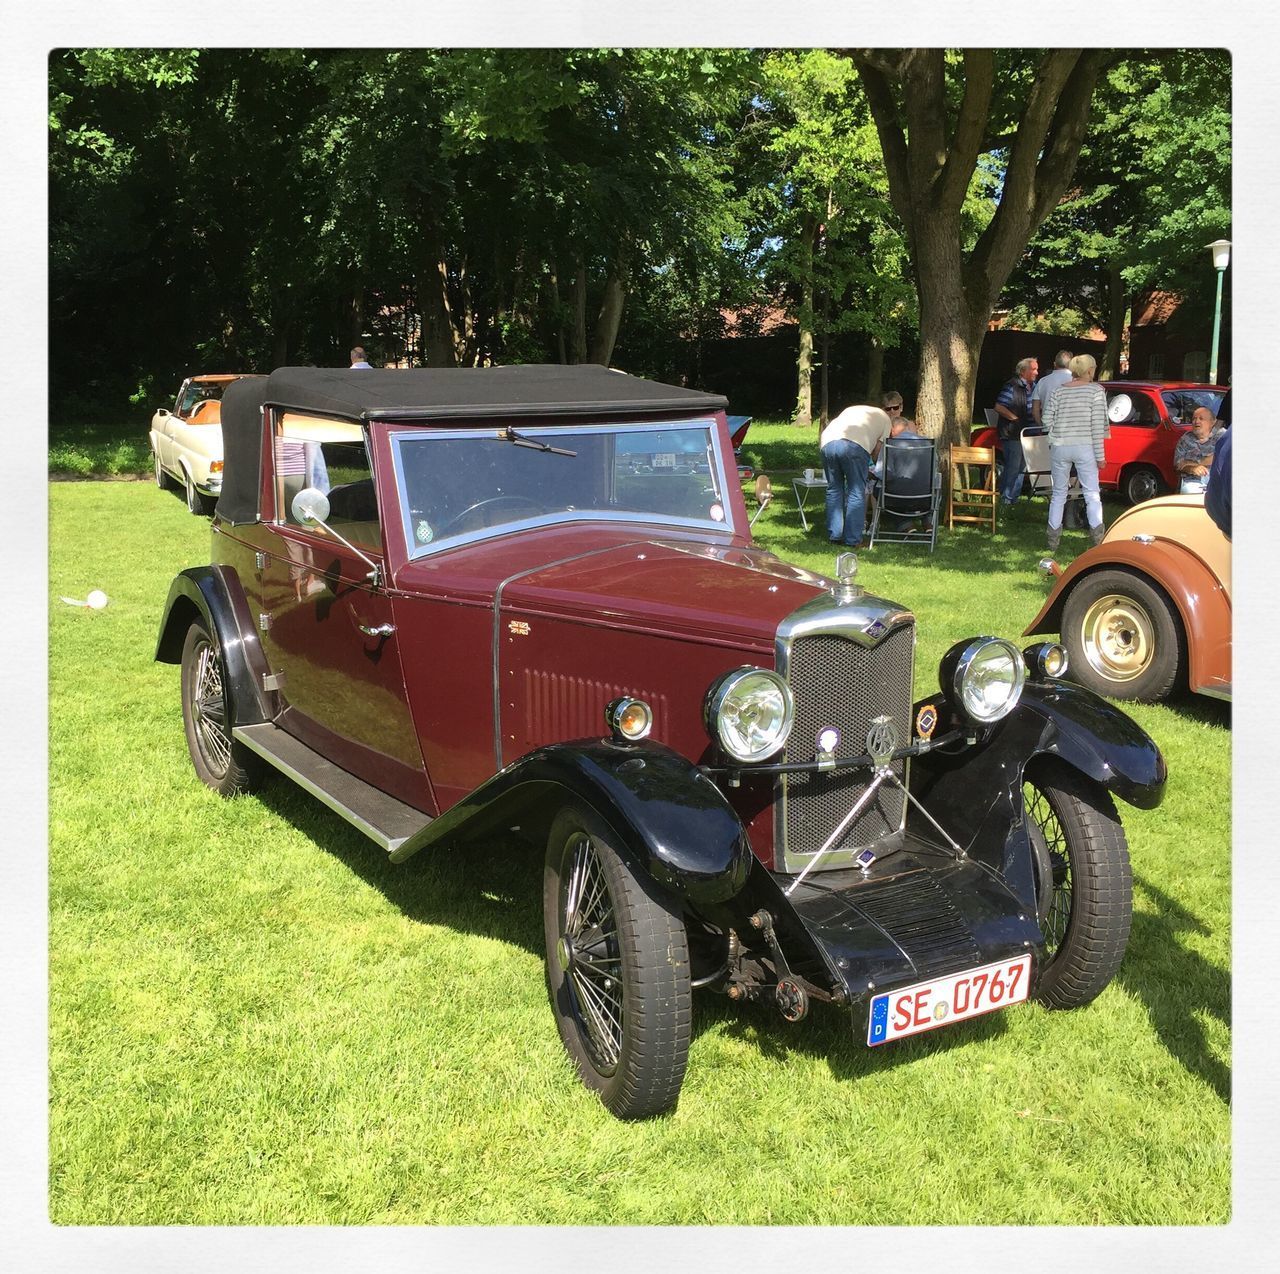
(254, 1018)
(1151, 189)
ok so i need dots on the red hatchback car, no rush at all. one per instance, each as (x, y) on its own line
(1147, 419)
(451, 603)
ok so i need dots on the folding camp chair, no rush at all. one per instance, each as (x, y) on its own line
(764, 496)
(910, 492)
(978, 503)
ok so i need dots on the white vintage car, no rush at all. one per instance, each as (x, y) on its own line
(186, 443)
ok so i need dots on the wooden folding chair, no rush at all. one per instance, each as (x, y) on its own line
(978, 503)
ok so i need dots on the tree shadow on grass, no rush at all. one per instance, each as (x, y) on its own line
(1178, 986)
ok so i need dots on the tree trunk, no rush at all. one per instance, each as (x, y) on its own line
(609, 320)
(875, 372)
(578, 343)
(804, 359)
(1117, 307)
(825, 415)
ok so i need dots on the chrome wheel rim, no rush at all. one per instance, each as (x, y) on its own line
(1118, 638)
(1057, 917)
(192, 497)
(589, 953)
(209, 711)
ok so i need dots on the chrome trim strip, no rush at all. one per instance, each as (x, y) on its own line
(826, 616)
(497, 629)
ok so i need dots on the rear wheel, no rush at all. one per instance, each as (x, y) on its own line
(617, 969)
(1140, 483)
(1085, 886)
(1123, 637)
(195, 501)
(207, 714)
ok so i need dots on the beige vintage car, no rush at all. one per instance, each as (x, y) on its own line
(1148, 611)
(186, 443)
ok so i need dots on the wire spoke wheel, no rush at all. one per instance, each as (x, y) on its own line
(589, 948)
(1057, 887)
(617, 968)
(1084, 883)
(207, 715)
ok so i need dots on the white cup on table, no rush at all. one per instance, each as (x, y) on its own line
(808, 475)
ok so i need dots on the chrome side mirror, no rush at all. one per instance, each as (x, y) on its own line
(310, 506)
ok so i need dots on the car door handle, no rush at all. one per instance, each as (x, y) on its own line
(376, 630)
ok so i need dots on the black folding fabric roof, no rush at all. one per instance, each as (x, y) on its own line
(450, 393)
(428, 394)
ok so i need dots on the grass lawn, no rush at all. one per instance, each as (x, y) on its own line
(255, 1019)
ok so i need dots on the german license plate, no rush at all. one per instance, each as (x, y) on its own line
(929, 1005)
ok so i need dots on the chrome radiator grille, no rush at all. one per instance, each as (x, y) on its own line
(838, 682)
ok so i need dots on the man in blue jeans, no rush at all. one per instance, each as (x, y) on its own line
(1015, 413)
(849, 444)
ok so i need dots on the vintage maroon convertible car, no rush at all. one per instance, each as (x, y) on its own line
(452, 602)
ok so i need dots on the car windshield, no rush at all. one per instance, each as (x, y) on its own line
(197, 392)
(467, 484)
(1181, 403)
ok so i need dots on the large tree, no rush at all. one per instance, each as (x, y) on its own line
(940, 116)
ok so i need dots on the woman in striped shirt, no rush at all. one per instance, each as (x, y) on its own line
(1075, 418)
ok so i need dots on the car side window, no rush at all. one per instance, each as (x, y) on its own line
(339, 467)
(1142, 408)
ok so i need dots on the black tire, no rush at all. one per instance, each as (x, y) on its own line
(162, 478)
(195, 501)
(1085, 884)
(617, 969)
(1124, 637)
(1141, 482)
(223, 764)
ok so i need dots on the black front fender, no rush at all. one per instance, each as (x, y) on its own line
(208, 594)
(672, 821)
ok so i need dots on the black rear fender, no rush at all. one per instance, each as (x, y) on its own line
(672, 822)
(213, 596)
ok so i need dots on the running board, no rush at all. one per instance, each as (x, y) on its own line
(383, 819)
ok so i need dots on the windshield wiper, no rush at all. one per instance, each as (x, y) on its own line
(521, 441)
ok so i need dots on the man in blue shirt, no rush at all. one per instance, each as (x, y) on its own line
(1217, 495)
(1013, 407)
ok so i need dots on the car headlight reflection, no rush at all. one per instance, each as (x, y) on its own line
(750, 712)
(983, 678)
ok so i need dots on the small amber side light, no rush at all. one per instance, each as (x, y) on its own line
(628, 719)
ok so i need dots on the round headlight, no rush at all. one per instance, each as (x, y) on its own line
(984, 678)
(750, 712)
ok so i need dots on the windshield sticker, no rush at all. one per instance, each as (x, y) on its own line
(717, 512)
(423, 532)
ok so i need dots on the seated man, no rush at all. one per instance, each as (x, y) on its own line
(1194, 453)
(900, 428)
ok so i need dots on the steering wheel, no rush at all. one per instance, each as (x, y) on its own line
(458, 521)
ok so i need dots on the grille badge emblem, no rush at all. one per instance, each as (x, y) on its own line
(926, 721)
(882, 739)
(866, 858)
(876, 628)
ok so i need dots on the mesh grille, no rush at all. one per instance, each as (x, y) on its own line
(837, 682)
(919, 916)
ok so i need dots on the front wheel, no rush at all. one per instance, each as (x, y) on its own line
(162, 478)
(1123, 637)
(220, 762)
(1084, 883)
(617, 969)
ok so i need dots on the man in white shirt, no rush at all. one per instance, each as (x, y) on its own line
(1047, 384)
(849, 444)
(358, 358)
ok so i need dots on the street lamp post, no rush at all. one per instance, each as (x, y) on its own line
(1221, 252)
